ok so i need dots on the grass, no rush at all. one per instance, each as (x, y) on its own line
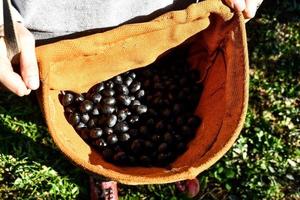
(263, 163)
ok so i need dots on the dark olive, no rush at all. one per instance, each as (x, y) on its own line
(111, 120)
(132, 75)
(193, 121)
(163, 147)
(96, 133)
(86, 106)
(74, 119)
(106, 109)
(108, 154)
(140, 109)
(109, 84)
(121, 127)
(102, 120)
(92, 123)
(118, 79)
(186, 131)
(181, 147)
(136, 146)
(156, 138)
(99, 87)
(168, 138)
(161, 159)
(124, 100)
(124, 137)
(166, 112)
(160, 125)
(180, 121)
(128, 81)
(135, 86)
(109, 100)
(150, 122)
(108, 92)
(85, 117)
(120, 158)
(100, 143)
(69, 109)
(112, 139)
(133, 132)
(96, 98)
(145, 160)
(121, 114)
(108, 131)
(95, 111)
(122, 89)
(148, 145)
(152, 112)
(135, 103)
(140, 94)
(79, 98)
(132, 119)
(67, 99)
(177, 108)
(143, 130)
(147, 83)
(84, 133)
(80, 126)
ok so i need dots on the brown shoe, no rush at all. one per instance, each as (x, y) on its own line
(103, 190)
(190, 187)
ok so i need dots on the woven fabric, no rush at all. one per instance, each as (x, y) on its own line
(216, 39)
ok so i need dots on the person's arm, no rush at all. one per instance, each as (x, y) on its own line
(20, 84)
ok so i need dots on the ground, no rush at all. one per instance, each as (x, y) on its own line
(266, 156)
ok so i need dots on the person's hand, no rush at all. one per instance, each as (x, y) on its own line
(28, 79)
(248, 7)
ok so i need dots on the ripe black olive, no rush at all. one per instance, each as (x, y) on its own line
(118, 79)
(74, 119)
(121, 127)
(112, 139)
(121, 114)
(135, 86)
(140, 109)
(86, 106)
(96, 98)
(108, 154)
(96, 133)
(109, 100)
(122, 89)
(124, 100)
(128, 81)
(85, 117)
(67, 99)
(109, 84)
(106, 109)
(140, 94)
(111, 120)
(108, 92)
(124, 137)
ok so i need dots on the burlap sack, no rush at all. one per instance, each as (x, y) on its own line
(217, 42)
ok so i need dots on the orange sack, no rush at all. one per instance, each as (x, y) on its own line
(216, 39)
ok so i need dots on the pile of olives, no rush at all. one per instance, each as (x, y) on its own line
(144, 117)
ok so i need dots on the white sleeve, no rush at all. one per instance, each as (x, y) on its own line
(14, 13)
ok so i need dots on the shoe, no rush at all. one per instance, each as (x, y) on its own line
(190, 187)
(103, 190)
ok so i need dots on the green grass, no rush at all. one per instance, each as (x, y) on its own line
(263, 163)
